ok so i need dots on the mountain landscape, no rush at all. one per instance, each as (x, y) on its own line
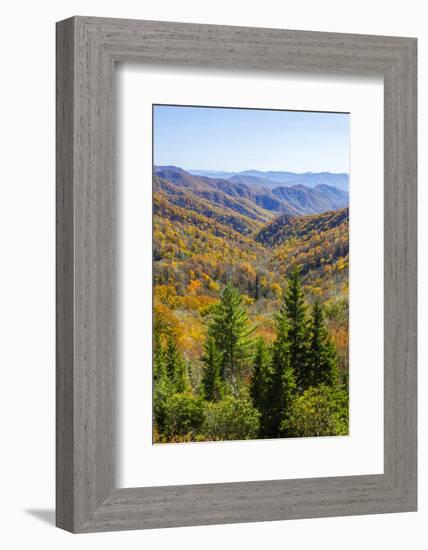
(242, 247)
(279, 178)
(257, 201)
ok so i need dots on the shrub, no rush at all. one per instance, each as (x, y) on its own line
(231, 418)
(183, 415)
(319, 411)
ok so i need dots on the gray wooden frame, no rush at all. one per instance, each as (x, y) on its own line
(87, 50)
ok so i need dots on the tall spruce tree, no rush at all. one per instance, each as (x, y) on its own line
(162, 387)
(176, 368)
(159, 365)
(230, 329)
(259, 387)
(212, 384)
(282, 382)
(322, 355)
(298, 330)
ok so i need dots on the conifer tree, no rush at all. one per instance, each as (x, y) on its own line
(298, 330)
(159, 366)
(282, 381)
(230, 329)
(259, 388)
(176, 368)
(212, 384)
(171, 357)
(162, 387)
(256, 289)
(322, 356)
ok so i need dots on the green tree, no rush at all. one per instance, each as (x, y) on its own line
(184, 416)
(298, 329)
(259, 387)
(176, 368)
(162, 387)
(231, 418)
(230, 329)
(282, 383)
(322, 355)
(212, 383)
(159, 364)
(319, 411)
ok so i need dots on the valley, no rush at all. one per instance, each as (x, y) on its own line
(211, 232)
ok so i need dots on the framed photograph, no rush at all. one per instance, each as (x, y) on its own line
(236, 274)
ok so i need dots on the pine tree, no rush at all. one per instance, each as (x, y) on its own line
(298, 330)
(259, 388)
(282, 381)
(162, 387)
(256, 285)
(176, 368)
(171, 357)
(230, 329)
(212, 384)
(159, 365)
(322, 356)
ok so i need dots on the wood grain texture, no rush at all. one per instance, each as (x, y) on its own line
(87, 50)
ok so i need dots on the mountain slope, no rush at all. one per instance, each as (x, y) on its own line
(260, 203)
(304, 200)
(285, 228)
(253, 181)
(240, 214)
(318, 245)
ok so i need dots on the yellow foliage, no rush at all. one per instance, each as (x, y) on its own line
(166, 294)
(212, 285)
(194, 286)
(276, 289)
(196, 303)
(165, 321)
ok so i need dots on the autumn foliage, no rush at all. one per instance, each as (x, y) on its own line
(250, 321)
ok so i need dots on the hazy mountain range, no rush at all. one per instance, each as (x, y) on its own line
(274, 178)
(249, 195)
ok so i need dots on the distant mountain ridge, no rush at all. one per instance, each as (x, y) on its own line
(257, 202)
(272, 178)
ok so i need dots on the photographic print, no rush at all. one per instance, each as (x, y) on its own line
(250, 273)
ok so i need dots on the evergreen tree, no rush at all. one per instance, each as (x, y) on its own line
(259, 388)
(256, 290)
(176, 368)
(230, 329)
(159, 365)
(181, 382)
(322, 356)
(282, 381)
(298, 330)
(212, 384)
(171, 358)
(162, 387)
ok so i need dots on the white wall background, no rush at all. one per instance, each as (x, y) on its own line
(27, 272)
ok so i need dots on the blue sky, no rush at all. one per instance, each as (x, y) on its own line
(241, 139)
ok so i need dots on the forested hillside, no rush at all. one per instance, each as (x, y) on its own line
(250, 309)
(254, 200)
